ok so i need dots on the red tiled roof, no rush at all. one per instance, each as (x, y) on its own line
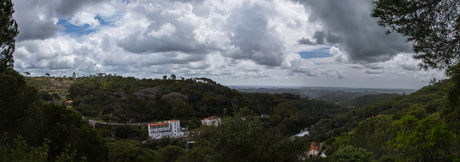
(211, 117)
(69, 101)
(173, 120)
(313, 146)
(155, 124)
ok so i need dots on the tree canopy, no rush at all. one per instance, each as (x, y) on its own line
(431, 25)
(8, 30)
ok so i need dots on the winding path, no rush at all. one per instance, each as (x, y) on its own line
(93, 122)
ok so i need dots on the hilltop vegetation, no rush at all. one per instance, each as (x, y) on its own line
(51, 89)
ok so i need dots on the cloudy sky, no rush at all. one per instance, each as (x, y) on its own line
(234, 42)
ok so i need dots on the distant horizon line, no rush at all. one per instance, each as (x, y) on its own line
(286, 86)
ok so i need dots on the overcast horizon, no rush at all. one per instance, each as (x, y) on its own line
(324, 43)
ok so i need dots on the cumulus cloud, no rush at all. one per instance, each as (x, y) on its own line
(333, 73)
(362, 39)
(338, 55)
(296, 64)
(253, 37)
(164, 28)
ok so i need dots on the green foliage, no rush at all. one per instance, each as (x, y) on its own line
(45, 96)
(451, 114)
(372, 135)
(192, 124)
(242, 140)
(157, 144)
(19, 104)
(181, 109)
(122, 132)
(339, 96)
(56, 96)
(421, 140)
(170, 153)
(351, 154)
(432, 27)
(8, 30)
(67, 130)
(417, 103)
(57, 87)
(368, 100)
(18, 150)
(127, 150)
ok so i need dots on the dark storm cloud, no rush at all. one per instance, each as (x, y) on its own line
(320, 36)
(34, 19)
(332, 38)
(148, 44)
(305, 41)
(67, 8)
(362, 39)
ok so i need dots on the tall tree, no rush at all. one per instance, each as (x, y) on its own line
(431, 25)
(8, 30)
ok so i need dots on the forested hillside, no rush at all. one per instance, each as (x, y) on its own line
(367, 100)
(127, 99)
(36, 131)
(339, 96)
(403, 127)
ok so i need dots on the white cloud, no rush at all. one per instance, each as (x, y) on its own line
(338, 55)
(83, 18)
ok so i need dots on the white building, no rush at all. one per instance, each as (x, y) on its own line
(211, 121)
(170, 129)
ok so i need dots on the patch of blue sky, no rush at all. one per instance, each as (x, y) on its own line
(103, 22)
(320, 53)
(74, 29)
(109, 20)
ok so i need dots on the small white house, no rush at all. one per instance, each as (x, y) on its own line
(165, 129)
(211, 121)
